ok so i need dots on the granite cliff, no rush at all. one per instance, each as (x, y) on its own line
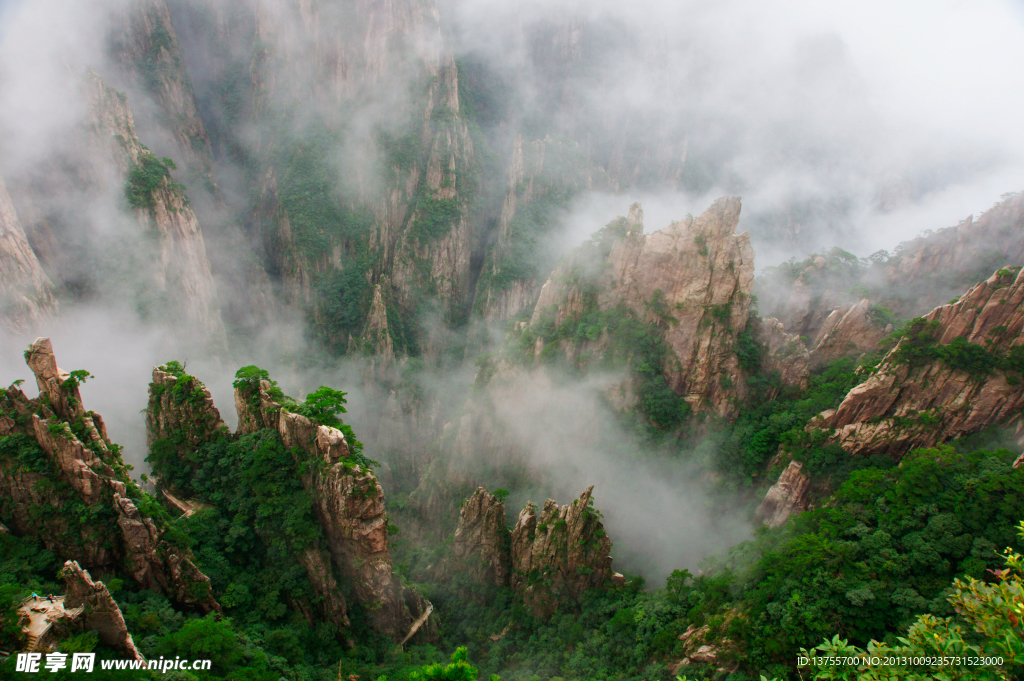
(25, 290)
(57, 455)
(550, 559)
(350, 553)
(692, 279)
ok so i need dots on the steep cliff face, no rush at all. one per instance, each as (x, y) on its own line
(58, 456)
(930, 270)
(956, 372)
(786, 353)
(693, 279)
(400, 218)
(25, 298)
(560, 553)
(346, 498)
(848, 330)
(480, 549)
(99, 611)
(146, 45)
(180, 410)
(181, 271)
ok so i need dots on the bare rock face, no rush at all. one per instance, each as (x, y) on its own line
(932, 269)
(786, 497)
(558, 554)
(79, 455)
(902, 407)
(99, 611)
(545, 170)
(25, 298)
(847, 330)
(693, 279)
(480, 549)
(146, 46)
(786, 355)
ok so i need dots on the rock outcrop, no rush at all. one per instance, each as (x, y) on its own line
(909, 403)
(786, 354)
(347, 500)
(180, 410)
(848, 330)
(559, 553)
(693, 279)
(64, 460)
(25, 298)
(99, 611)
(543, 178)
(480, 548)
(786, 497)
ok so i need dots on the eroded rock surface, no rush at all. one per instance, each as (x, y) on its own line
(901, 407)
(693, 279)
(77, 452)
(25, 298)
(559, 553)
(99, 611)
(786, 497)
(848, 330)
(480, 549)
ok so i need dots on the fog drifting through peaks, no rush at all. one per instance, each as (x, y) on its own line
(860, 124)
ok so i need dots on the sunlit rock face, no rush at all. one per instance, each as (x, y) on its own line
(693, 279)
(904, 405)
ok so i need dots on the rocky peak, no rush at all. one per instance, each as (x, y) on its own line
(83, 467)
(480, 549)
(180, 409)
(956, 372)
(558, 553)
(349, 506)
(693, 279)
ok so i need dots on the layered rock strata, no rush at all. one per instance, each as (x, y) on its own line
(904, 406)
(79, 468)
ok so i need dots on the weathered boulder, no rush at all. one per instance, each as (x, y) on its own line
(903, 406)
(560, 553)
(99, 611)
(786, 497)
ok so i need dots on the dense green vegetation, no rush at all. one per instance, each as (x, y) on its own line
(149, 176)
